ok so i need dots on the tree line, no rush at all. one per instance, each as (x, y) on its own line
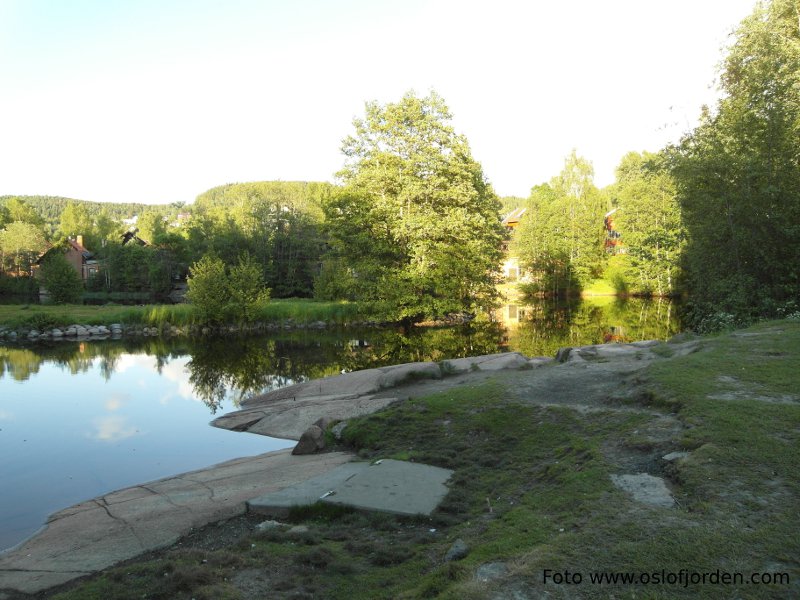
(412, 225)
(715, 216)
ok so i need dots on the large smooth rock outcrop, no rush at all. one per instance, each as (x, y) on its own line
(96, 534)
(489, 362)
(289, 411)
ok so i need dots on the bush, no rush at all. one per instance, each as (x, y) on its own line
(220, 295)
(246, 288)
(61, 281)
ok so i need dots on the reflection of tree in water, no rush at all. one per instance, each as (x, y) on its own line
(243, 366)
(20, 364)
(247, 366)
(387, 347)
(554, 323)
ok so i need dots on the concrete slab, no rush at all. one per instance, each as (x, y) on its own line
(391, 486)
(303, 494)
(96, 534)
(394, 486)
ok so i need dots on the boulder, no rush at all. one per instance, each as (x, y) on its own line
(313, 439)
(324, 422)
(457, 551)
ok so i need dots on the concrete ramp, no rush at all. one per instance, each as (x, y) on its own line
(387, 485)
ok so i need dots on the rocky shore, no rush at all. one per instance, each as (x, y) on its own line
(78, 331)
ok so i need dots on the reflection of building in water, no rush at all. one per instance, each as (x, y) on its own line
(511, 314)
(359, 344)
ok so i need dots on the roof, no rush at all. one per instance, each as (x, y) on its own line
(79, 248)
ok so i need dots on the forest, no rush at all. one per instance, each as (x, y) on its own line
(412, 227)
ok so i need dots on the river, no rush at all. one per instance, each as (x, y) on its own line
(80, 419)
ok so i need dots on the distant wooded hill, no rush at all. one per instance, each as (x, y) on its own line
(51, 207)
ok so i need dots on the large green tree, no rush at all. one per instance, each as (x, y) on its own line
(20, 244)
(649, 219)
(416, 222)
(738, 173)
(560, 239)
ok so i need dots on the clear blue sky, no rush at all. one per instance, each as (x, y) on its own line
(158, 100)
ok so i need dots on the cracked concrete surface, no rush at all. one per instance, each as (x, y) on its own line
(98, 533)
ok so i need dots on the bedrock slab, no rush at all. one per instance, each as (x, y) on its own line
(96, 534)
(288, 412)
(489, 362)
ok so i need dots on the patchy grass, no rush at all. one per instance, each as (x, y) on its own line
(532, 488)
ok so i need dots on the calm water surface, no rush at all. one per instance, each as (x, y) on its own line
(82, 419)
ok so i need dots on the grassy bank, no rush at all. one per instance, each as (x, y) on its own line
(275, 311)
(532, 494)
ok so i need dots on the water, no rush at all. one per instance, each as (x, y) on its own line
(78, 420)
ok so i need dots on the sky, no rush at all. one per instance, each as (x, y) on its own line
(156, 101)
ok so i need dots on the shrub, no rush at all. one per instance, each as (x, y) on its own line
(208, 288)
(221, 295)
(246, 288)
(61, 281)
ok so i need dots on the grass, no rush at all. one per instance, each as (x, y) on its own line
(306, 311)
(599, 287)
(276, 311)
(532, 488)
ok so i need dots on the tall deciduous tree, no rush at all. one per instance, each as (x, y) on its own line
(417, 221)
(75, 220)
(649, 219)
(20, 244)
(561, 237)
(738, 173)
